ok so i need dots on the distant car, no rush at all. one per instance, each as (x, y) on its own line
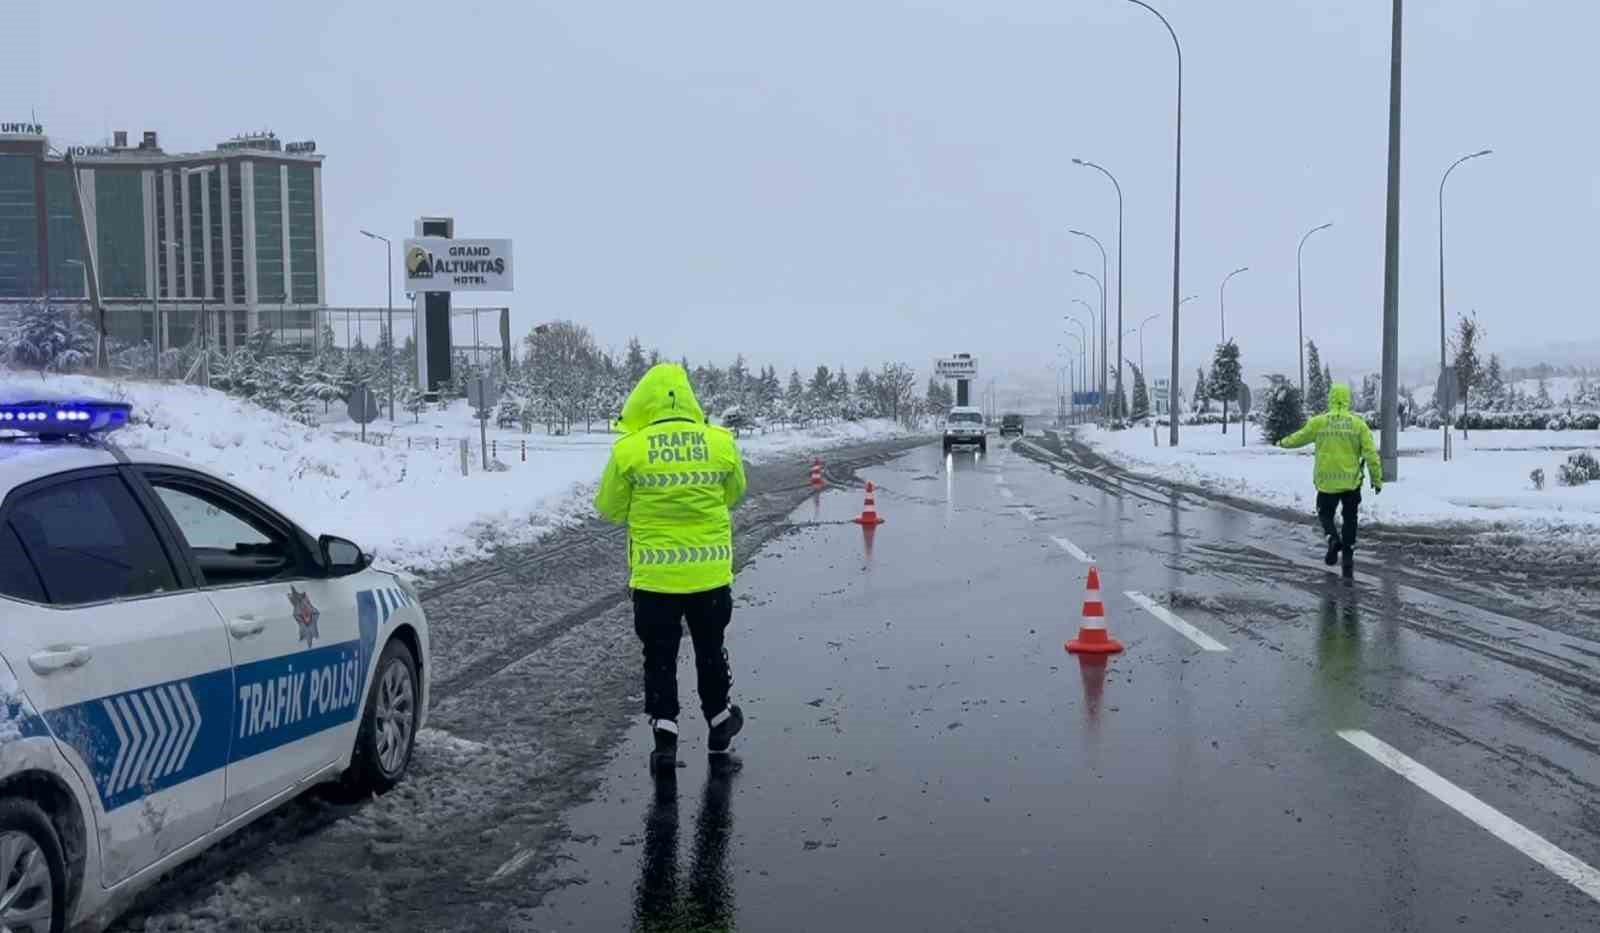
(964, 427)
(176, 660)
(1012, 424)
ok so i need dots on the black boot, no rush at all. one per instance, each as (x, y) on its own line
(1347, 558)
(722, 733)
(1333, 551)
(664, 760)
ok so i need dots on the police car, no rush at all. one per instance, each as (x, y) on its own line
(176, 659)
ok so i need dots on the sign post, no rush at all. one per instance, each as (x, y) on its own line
(363, 408)
(1444, 398)
(1244, 411)
(482, 394)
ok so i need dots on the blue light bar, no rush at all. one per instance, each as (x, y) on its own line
(62, 417)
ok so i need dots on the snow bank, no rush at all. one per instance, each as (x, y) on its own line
(1487, 482)
(412, 507)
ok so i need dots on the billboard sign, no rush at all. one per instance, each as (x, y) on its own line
(960, 366)
(438, 264)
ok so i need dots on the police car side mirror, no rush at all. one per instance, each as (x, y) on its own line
(340, 557)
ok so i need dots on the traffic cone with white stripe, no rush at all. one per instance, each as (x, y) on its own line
(1093, 638)
(816, 473)
(869, 512)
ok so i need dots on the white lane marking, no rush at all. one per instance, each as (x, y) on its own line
(1005, 492)
(1564, 865)
(1206, 642)
(514, 864)
(1072, 549)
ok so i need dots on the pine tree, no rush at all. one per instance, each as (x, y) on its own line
(1492, 395)
(1227, 376)
(1371, 391)
(412, 400)
(1316, 380)
(1542, 401)
(50, 338)
(795, 398)
(635, 365)
(867, 393)
(1285, 413)
(1469, 369)
(1202, 392)
(1141, 394)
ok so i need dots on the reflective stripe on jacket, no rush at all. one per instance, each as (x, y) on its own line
(672, 479)
(1344, 445)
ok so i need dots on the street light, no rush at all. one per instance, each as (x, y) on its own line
(1093, 324)
(1177, 201)
(1141, 338)
(1082, 353)
(1222, 299)
(1299, 303)
(1104, 277)
(1117, 185)
(1088, 337)
(1101, 286)
(1446, 178)
(388, 353)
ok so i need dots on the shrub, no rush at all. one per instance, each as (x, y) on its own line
(1538, 478)
(1580, 468)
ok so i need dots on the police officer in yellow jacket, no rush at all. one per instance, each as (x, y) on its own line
(673, 479)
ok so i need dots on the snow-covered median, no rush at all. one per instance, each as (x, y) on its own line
(1487, 482)
(412, 507)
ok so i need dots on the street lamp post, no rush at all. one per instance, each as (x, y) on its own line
(1117, 185)
(1222, 299)
(1299, 303)
(1100, 381)
(1177, 200)
(1105, 276)
(1442, 180)
(1083, 379)
(1088, 345)
(1141, 339)
(388, 255)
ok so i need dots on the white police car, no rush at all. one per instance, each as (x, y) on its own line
(176, 659)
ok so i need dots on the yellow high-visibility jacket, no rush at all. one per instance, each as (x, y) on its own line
(672, 479)
(1344, 445)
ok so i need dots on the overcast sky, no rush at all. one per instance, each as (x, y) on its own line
(846, 182)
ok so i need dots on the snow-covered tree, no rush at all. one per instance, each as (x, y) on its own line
(413, 401)
(1202, 392)
(1469, 368)
(635, 364)
(1371, 393)
(1542, 401)
(1316, 380)
(1492, 393)
(1285, 414)
(1227, 376)
(1141, 394)
(50, 338)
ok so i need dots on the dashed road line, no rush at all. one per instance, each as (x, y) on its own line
(1206, 642)
(1072, 549)
(1562, 864)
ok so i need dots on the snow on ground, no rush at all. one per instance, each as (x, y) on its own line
(1487, 482)
(412, 508)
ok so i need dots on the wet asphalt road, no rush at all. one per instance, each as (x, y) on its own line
(922, 754)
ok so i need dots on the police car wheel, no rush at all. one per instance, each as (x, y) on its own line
(389, 724)
(33, 874)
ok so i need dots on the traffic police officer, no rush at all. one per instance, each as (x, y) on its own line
(672, 479)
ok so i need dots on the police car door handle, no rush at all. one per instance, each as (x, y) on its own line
(246, 627)
(59, 659)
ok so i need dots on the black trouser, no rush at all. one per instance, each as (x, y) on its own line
(658, 620)
(1350, 503)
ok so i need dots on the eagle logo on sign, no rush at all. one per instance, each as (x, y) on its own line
(419, 263)
(305, 615)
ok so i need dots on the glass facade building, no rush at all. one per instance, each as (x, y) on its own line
(235, 232)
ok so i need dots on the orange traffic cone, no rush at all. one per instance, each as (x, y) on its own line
(869, 512)
(816, 472)
(1092, 635)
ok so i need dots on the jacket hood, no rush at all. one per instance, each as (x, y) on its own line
(1339, 397)
(662, 393)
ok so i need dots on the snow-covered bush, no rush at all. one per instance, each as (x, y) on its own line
(1537, 476)
(1285, 414)
(1580, 468)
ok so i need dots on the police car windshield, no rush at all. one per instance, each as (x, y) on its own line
(968, 417)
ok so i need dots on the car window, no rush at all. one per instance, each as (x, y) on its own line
(969, 417)
(91, 541)
(18, 578)
(228, 544)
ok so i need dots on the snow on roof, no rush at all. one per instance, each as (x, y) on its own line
(24, 460)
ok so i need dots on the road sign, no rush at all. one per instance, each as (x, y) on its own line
(482, 393)
(1086, 398)
(363, 405)
(1446, 391)
(960, 366)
